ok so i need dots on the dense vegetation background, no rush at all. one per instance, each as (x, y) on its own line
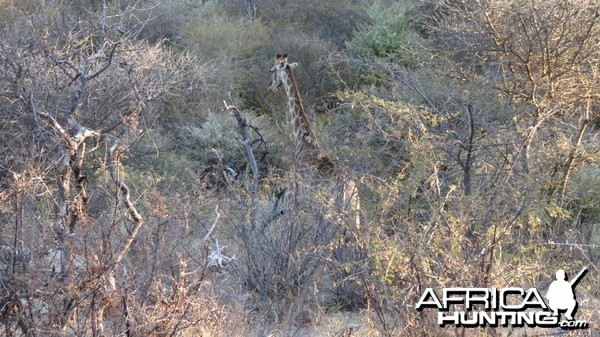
(127, 204)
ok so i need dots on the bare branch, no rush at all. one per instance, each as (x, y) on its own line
(121, 186)
(243, 124)
(214, 224)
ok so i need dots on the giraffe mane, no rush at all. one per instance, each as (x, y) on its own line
(306, 122)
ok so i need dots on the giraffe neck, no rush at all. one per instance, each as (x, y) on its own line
(304, 138)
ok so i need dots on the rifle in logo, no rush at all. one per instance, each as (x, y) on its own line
(561, 295)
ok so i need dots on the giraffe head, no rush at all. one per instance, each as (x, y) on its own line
(279, 70)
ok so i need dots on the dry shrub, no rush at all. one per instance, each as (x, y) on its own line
(93, 264)
(331, 21)
(216, 35)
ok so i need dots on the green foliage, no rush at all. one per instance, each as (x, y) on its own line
(389, 35)
(217, 143)
(157, 163)
(218, 133)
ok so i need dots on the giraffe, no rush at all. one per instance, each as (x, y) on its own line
(308, 154)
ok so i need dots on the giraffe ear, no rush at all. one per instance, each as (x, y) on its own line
(293, 65)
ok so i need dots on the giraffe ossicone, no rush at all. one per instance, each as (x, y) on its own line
(312, 162)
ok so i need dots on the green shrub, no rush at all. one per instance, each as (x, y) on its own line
(389, 35)
(218, 142)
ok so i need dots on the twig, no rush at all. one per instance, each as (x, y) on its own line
(214, 224)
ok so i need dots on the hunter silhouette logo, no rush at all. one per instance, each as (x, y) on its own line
(561, 295)
(512, 306)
